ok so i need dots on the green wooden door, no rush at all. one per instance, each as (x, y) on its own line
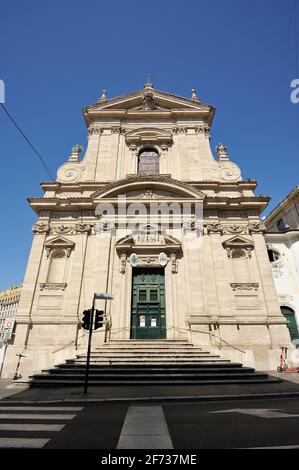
(292, 324)
(148, 304)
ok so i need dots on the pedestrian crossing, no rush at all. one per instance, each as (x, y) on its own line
(32, 427)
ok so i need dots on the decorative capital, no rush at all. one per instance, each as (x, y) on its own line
(215, 228)
(95, 130)
(256, 228)
(83, 228)
(40, 228)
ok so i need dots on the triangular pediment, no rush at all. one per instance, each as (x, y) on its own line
(149, 101)
(148, 236)
(237, 242)
(161, 100)
(59, 242)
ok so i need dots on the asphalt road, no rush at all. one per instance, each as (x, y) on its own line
(217, 425)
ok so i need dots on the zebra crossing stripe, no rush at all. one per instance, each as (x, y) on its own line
(35, 416)
(27, 443)
(41, 408)
(31, 427)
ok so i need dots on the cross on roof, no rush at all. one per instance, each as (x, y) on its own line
(148, 76)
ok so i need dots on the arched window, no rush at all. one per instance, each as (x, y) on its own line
(57, 266)
(289, 315)
(273, 255)
(148, 162)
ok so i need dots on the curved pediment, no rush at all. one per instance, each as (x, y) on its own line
(148, 134)
(149, 188)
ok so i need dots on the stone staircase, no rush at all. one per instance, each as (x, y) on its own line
(159, 362)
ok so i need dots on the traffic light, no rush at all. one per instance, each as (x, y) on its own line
(99, 318)
(86, 319)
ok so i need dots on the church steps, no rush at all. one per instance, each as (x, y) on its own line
(148, 356)
(130, 382)
(146, 366)
(154, 376)
(147, 363)
(75, 370)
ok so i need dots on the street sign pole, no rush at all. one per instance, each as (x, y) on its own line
(89, 347)
(105, 296)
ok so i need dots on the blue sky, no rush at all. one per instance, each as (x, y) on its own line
(56, 56)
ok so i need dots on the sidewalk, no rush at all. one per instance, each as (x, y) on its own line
(15, 393)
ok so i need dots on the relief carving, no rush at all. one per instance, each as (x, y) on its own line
(238, 229)
(256, 227)
(40, 228)
(174, 264)
(62, 229)
(244, 286)
(122, 263)
(82, 228)
(52, 285)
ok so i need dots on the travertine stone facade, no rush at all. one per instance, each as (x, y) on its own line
(219, 293)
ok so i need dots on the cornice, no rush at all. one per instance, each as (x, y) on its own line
(281, 207)
(286, 236)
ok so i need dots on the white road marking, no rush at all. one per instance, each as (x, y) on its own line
(41, 408)
(31, 427)
(274, 447)
(259, 412)
(35, 416)
(145, 427)
(16, 442)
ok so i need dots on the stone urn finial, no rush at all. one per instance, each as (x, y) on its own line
(222, 152)
(76, 150)
(194, 95)
(103, 95)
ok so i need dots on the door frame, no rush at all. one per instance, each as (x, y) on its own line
(159, 270)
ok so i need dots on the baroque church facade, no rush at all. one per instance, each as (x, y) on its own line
(207, 280)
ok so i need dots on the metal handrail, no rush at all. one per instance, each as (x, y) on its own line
(188, 330)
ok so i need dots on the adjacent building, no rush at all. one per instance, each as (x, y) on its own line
(152, 216)
(9, 301)
(283, 248)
